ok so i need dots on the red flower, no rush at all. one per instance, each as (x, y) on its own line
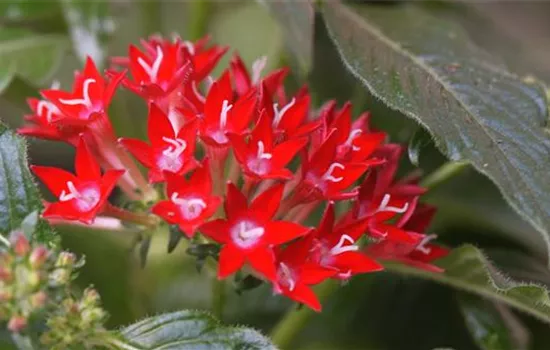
(295, 275)
(248, 234)
(337, 248)
(222, 117)
(90, 98)
(43, 119)
(419, 254)
(261, 158)
(83, 196)
(204, 59)
(324, 177)
(244, 82)
(191, 202)
(169, 150)
(288, 121)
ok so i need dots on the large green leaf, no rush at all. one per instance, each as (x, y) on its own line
(191, 330)
(19, 195)
(297, 19)
(426, 68)
(32, 56)
(466, 268)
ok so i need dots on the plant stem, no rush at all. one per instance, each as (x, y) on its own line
(198, 18)
(146, 220)
(442, 174)
(218, 297)
(119, 344)
(22, 342)
(295, 319)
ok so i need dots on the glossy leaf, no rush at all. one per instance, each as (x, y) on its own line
(191, 330)
(420, 140)
(34, 57)
(426, 68)
(297, 20)
(467, 269)
(19, 195)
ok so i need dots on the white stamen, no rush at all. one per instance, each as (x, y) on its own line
(85, 100)
(187, 202)
(153, 70)
(288, 276)
(251, 233)
(73, 193)
(190, 47)
(421, 247)
(261, 151)
(177, 148)
(280, 113)
(339, 248)
(328, 175)
(197, 93)
(226, 107)
(385, 207)
(50, 109)
(257, 68)
(352, 136)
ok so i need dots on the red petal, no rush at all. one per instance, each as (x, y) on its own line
(65, 210)
(284, 152)
(240, 75)
(235, 202)
(168, 211)
(263, 261)
(267, 203)
(279, 232)
(158, 126)
(109, 180)
(230, 261)
(315, 274)
(327, 221)
(356, 263)
(85, 164)
(201, 179)
(242, 113)
(139, 149)
(240, 148)
(218, 230)
(55, 179)
(112, 86)
(303, 294)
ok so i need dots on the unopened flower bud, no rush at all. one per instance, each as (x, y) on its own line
(38, 299)
(33, 279)
(21, 245)
(5, 295)
(38, 256)
(90, 298)
(60, 277)
(65, 259)
(17, 323)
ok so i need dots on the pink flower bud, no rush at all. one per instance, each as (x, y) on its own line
(38, 256)
(38, 299)
(17, 323)
(21, 246)
(5, 274)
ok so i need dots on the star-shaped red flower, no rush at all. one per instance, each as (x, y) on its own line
(190, 202)
(244, 83)
(249, 232)
(169, 150)
(261, 158)
(82, 196)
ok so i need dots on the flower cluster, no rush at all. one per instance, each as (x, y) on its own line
(241, 140)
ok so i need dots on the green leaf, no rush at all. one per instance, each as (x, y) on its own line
(34, 57)
(426, 68)
(420, 140)
(467, 269)
(488, 327)
(191, 330)
(19, 196)
(297, 20)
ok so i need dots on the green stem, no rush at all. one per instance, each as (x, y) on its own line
(198, 18)
(295, 319)
(442, 174)
(218, 297)
(5, 241)
(22, 342)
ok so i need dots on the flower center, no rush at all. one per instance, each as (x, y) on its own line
(246, 234)
(153, 69)
(352, 136)
(50, 110)
(279, 114)
(85, 100)
(345, 244)
(384, 207)
(191, 208)
(85, 199)
(421, 247)
(171, 159)
(260, 164)
(328, 175)
(286, 277)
